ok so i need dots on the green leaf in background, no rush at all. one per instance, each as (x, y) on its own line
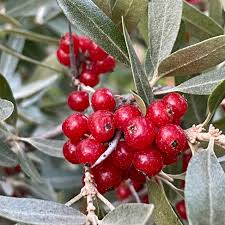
(165, 18)
(216, 11)
(204, 189)
(7, 157)
(130, 10)
(163, 213)
(49, 147)
(131, 213)
(200, 24)
(4, 18)
(85, 15)
(6, 93)
(6, 109)
(34, 211)
(195, 58)
(140, 79)
(105, 6)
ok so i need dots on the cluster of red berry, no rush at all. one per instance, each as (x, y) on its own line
(91, 59)
(147, 143)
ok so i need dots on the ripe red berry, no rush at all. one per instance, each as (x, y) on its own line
(171, 139)
(125, 114)
(64, 43)
(101, 125)
(186, 160)
(75, 126)
(145, 199)
(178, 103)
(89, 150)
(105, 66)
(96, 53)
(10, 171)
(149, 162)
(169, 159)
(63, 57)
(106, 177)
(137, 178)
(69, 152)
(160, 113)
(181, 209)
(123, 191)
(103, 99)
(89, 78)
(78, 100)
(85, 43)
(140, 133)
(122, 156)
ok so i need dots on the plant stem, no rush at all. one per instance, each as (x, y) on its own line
(133, 191)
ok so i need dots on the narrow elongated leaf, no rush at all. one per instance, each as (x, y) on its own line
(194, 59)
(149, 67)
(7, 157)
(34, 87)
(127, 214)
(165, 18)
(204, 189)
(140, 79)
(49, 147)
(216, 11)
(105, 6)
(129, 9)
(34, 211)
(6, 109)
(85, 15)
(8, 19)
(200, 24)
(6, 93)
(163, 213)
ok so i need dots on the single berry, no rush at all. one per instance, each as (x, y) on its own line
(125, 114)
(69, 152)
(63, 57)
(88, 78)
(78, 100)
(85, 44)
(96, 53)
(178, 103)
(122, 156)
(160, 113)
(75, 126)
(186, 160)
(123, 192)
(171, 139)
(181, 209)
(101, 125)
(105, 66)
(64, 43)
(137, 178)
(89, 150)
(169, 159)
(10, 171)
(145, 199)
(139, 133)
(103, 99)
(149, 162)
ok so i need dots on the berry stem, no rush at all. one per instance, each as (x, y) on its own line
(73, 200)
(105, 201)
(166, 176)
(133, 191)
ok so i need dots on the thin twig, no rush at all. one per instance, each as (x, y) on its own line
(105, 201)
(73, 200)
(133, 191)
(166, 176)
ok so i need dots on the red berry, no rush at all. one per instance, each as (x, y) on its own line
(169, 159)
(10, 171)
(149, 162)
(171, 139)
(64, 43)
(140, 133)
(186, 160)
(96, 53)
(89, 150)
(178, 103)
(106, 177)
(88, 78)
(125, 114)
(181, 209)
(144, 199)
(160, 113)
(85, 43)
(105, 66)
(69, 152)
(122, 156)
(123, 191)
(75, 126)
(101, 125)
(137, 178)
(78, 100)
(103, 99)
(63, 57)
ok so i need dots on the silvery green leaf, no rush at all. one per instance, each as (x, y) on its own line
(216, 11)
(129, 214)
(105, 6)
(6, 109)
(204, 188)
(34, 211)
(223, 4)
(149, 68)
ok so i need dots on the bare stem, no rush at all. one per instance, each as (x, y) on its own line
(73, 200)
(133, 191)
(105, 201)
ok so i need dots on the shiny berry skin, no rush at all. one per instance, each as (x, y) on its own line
(186, 160)
(64, 43)
(103, 99)
(78, 100)
(140, 133)
(149, 162)
(178, 103)
(75, 126)
(69, 152)
(85, 43)
(88, 78)
(171, 139)
(160, 113)
(105, 66)
(106, 177)
(96, 53)
(89, 150)
(122, 156)
(125, 114)
(181, 209)
(63, 57)
(101, 125)
(169, 159)
(123, 192)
